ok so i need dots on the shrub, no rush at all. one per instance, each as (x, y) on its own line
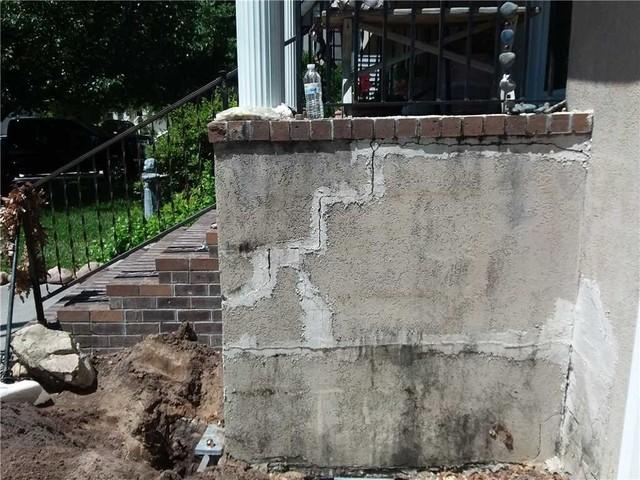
(131, 228)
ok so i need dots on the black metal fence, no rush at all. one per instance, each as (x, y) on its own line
(125, 193)
(431, 57)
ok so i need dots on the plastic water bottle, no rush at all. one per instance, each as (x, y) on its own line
(313, 92)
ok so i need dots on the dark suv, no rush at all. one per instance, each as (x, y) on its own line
(33, 147)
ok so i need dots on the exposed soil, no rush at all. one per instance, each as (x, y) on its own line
(152, 404)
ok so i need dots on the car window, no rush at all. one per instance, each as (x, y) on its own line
(23, 133)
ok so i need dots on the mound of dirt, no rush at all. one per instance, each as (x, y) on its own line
(152, 404)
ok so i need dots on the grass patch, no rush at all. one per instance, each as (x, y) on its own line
(100, 232)
(72, 235)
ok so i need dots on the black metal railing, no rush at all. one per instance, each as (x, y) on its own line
(123, 194)
(428, 57)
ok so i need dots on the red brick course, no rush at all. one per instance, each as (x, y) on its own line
(321, 130)
(472, 126)
(237, 131)
(430, 127)
(300, 130)
(384, 128)
(342, 128)
(217, 132)
(362, 128)
(536, 125)
(581, 122)
(280, 131)
(405, 127)
(259, 130)
(560, 123)
(493, 125)
(451, 126)
(515, 125)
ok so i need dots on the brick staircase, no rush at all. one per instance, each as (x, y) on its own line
(153, 290)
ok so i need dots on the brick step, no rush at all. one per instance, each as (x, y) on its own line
(186, 302)
(118, 289)
(131, 299)
(195, 277)
(106, 335)
(188, 262)
(89, 311)
(211, 238)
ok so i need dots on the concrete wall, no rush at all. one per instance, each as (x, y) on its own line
(604, 75)
(399, 304)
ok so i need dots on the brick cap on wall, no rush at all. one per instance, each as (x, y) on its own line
(402, 128)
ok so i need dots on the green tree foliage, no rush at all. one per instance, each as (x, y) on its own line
(185, 147)
(82, 58)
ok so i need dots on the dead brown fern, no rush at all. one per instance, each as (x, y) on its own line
(20, 208)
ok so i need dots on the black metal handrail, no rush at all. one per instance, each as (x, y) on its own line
(136, 128)
(103, 205)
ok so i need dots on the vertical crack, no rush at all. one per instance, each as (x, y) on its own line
(269, 262)
(374, 146)
(565, 398)
(319, 221)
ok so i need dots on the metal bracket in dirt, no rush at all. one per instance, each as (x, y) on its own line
(210, 445)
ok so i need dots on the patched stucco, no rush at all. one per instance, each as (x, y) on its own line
(389, 304)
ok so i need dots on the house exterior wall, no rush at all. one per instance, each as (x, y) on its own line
(604, 75)
(405, 300)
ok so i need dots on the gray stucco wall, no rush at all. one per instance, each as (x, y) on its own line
(394, 305)
(604, 75)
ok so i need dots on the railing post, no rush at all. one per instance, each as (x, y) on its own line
(225, 92)
(12, 292)
(32, 252)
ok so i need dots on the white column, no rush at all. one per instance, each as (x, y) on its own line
(260, 39)
(629, 462)
(290, 60)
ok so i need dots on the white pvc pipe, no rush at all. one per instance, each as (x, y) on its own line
(260, 40)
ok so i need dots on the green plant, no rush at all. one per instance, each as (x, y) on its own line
(131, 228)
(183, 150)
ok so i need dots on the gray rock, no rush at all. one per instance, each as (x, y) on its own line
(18, 370)
(52, 358)
(524, 108)
(89, 267)
(508, 10)
(507, 36)
(507, 59)
(59, 277)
